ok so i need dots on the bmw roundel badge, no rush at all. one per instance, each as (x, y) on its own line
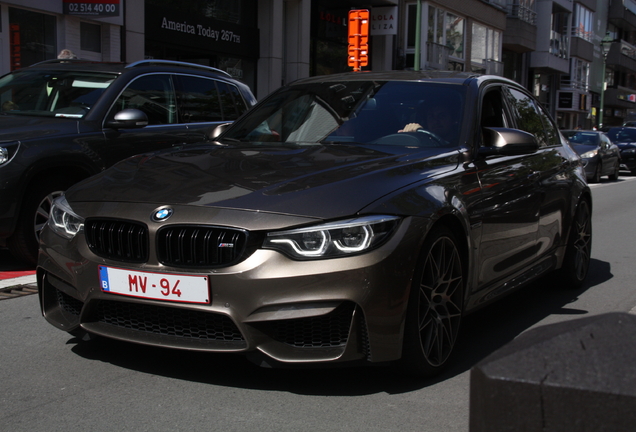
(162, 214)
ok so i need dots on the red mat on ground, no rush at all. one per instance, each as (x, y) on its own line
(15, 274)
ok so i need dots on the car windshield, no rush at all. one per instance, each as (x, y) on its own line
(52, 93)
(364, 112)
(621, 135)
(586, 138)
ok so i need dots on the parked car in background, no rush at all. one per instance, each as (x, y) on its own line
(345, 218)
(625, 139)
(65, 120)
(600, 156)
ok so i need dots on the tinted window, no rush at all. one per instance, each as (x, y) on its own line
(588, 138)
(52, 93)
(622, 135)
(198, 99)
(231, 100)
(358, 111)
(529, 117)
(151, 94)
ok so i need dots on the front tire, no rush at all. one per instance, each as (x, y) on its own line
(24, 242)
(435, 306)
(615, 174)
(576, 262)
(596, 178)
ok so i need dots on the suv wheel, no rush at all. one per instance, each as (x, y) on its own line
(24, 242)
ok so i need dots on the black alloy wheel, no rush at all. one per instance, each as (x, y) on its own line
(576, 262)
(435, 306)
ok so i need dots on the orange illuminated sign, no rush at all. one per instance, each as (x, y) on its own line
(358, 38)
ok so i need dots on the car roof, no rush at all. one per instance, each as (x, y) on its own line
(450, 77)
(119, 67)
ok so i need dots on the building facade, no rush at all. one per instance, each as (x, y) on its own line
(552, 47)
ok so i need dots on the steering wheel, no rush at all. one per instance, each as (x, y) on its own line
(419, 138)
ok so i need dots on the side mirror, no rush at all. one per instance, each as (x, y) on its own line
(217, 130)
(128, 118)
(508, 142)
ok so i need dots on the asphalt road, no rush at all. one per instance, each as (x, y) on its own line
(52, 382)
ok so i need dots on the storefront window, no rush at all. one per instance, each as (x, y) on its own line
(329, 40)
(486, 44)
(32, 37)
(444, 32)
(446, 29)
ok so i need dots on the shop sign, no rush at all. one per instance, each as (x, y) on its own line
(221, 36)
(384, 20)
(93, 8)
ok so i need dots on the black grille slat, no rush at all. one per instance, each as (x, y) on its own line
(199, 246)
(167, 321)
(117, 239)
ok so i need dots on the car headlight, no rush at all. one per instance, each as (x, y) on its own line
(63, 220)
(590, 154)
(629, 151)
(7, 150)
(333, 239)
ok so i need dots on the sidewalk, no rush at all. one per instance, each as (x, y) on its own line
(14, 273)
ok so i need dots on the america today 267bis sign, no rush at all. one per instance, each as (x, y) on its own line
(93, 8)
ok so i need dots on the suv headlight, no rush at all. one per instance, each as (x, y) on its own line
(63, 220)
(7, 150)
(334, 239)
(590, 154)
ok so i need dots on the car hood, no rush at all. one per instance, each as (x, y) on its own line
(317, 181)
(23, 128)
(583, 148)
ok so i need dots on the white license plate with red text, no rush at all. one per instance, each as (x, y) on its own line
(157, 286)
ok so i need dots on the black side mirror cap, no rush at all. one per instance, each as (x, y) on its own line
(129, 118)
(507, 142)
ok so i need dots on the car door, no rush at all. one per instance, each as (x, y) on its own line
(609, 155)
(154, 95)
(553, 167)
(508, 202)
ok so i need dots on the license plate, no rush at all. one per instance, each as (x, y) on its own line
(157, 286)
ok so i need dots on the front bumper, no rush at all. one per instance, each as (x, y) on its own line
(268, 305)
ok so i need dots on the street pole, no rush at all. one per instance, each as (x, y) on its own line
(606, 44)
(418, 35)
(600, 111)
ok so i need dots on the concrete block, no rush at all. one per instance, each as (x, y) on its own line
(578, 375)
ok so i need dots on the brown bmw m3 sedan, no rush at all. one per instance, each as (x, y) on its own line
(345, 218)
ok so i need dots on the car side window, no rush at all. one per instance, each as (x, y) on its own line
(198, 99)
(531, 118)
(232, 103)
(151, 94)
